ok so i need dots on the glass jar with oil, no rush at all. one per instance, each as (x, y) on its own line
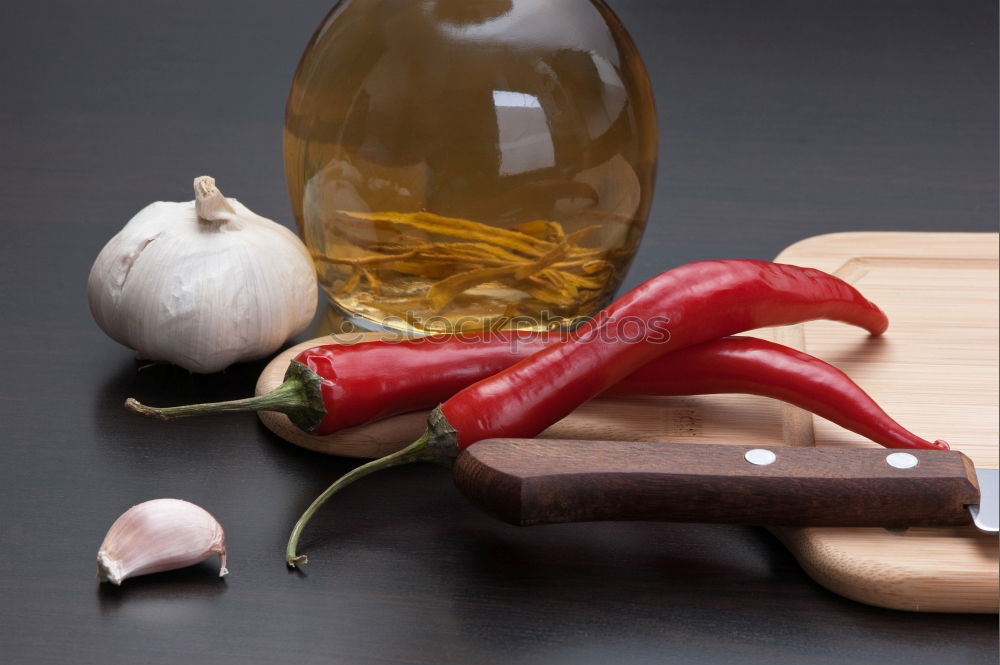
(470, 164)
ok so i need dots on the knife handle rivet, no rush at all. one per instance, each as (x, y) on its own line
(760, 457)
(902, 460)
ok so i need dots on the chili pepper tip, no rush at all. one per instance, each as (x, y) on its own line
(132, 404)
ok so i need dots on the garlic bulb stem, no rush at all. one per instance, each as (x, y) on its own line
(209, 203)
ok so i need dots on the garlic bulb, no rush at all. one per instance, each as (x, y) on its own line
(158, 535)
(203, 284)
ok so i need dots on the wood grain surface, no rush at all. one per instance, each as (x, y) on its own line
(935, 369)
(779, 121)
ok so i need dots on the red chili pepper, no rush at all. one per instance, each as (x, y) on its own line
(757, 367)
(357, 384)
(699, 302)
(331, 387)
(361, 383)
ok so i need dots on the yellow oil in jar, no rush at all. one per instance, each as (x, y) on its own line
(465, 164)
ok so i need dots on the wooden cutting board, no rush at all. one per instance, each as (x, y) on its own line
(935, 371)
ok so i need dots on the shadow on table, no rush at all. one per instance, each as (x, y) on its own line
(160, 592)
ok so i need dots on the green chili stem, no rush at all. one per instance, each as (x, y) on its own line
(286, 397)
(418, 451)
(300, 397)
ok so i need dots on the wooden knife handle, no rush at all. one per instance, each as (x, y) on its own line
(540, 481)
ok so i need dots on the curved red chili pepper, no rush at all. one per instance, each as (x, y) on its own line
(753, 366)
(684, 306)
(700, 301)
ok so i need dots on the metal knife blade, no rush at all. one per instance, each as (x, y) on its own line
(540, 481)
(986, 515)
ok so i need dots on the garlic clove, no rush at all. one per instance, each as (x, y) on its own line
(159, 535)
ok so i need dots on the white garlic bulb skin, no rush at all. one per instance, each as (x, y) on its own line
(203, 284)
(160, 535)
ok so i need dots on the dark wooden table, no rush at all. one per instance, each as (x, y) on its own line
(781, 120)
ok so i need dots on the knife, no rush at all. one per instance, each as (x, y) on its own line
(544, 481)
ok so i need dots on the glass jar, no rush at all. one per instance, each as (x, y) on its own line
(470, 164)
